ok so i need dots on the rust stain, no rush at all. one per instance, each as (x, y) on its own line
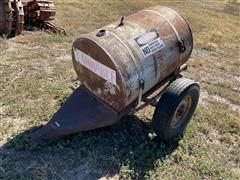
(14, 14)
(115, 46)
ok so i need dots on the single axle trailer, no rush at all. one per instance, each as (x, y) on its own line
(126, 66)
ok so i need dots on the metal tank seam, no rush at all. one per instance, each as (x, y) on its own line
(190, 30)
(173, 28)
(139, 71)
(141, 57)
(128, 50)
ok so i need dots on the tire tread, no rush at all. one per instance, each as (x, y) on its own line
(168, 103)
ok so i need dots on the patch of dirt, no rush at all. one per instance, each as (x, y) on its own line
(3, 45)
(88, 171)
(233, 9)
(205, 98)
(213, 76)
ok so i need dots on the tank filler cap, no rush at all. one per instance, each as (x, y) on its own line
(101, 33)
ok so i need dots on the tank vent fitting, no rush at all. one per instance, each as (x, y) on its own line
(121, 22)
(101, 33)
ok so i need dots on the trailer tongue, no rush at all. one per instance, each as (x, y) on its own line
(81, 112)
(125, 66)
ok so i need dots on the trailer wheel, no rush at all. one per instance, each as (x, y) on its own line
(175, 109)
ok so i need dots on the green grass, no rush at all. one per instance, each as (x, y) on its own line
(228, 93)
(36, 76)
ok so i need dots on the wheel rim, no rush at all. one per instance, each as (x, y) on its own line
(181, 111)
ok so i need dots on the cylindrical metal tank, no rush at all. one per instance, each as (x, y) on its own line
(124, 60)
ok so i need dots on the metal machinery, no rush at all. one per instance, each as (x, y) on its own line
(14, 14)
(11, 17)
(125, 66)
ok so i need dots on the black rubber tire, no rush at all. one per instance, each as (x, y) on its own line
(169, 103)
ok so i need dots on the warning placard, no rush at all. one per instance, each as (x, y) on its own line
(96, 67)
(150, 43)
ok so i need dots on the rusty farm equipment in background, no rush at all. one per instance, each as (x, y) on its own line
(11, 17)
(126, 66)
(15, 14)
(40, 13)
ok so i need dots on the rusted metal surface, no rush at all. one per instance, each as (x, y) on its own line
(15, 13)
(18, 17)
(51, 27)
(84, 111)
(153, 95)
(11, 17)
(5, 17)
(118, 74)
(41, 10)
(39, 13)
(81, 112)
(112, 62)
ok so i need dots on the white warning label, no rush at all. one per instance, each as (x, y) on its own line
(150, 43)
(100, 69)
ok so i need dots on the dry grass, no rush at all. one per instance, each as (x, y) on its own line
(36, 74)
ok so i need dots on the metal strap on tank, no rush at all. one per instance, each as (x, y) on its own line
(139, 72)
(175, 31)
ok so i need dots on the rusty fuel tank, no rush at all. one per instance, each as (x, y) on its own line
(122, 61)
(118, 67)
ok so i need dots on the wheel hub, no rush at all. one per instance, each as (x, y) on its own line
(181, 111)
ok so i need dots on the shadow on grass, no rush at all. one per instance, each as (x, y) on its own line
(124, 148)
